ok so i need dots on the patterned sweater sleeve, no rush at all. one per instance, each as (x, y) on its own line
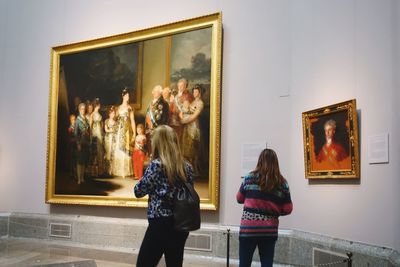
(240, 195)
(287, 205)
(149, 181)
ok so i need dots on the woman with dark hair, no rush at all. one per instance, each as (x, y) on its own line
(161, 182)
(266, 196)
(126, 132)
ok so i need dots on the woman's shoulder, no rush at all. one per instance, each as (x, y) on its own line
(285, 184)
(156, 162)
(250, 177)
(200, 103)
(187, 165)
(155, 165)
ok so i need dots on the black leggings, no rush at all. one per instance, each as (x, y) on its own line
(161, 238)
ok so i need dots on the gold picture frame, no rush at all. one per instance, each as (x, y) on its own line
(331, 147)
(137, 61)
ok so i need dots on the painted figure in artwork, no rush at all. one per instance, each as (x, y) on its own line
(139, 154)
(176, 107)
(110, 128)
(89, 111)
(72, 145)
(158, 110)
(82, 134)
(90, 169)
(167, 95)
(332, 154)
(97, 139)
(122, 164)
(191, 128)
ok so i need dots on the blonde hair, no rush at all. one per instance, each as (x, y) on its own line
(165, 146)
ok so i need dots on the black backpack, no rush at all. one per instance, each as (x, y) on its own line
(186, 208)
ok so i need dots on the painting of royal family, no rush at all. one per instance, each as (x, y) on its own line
(106, 101)
(331, 141)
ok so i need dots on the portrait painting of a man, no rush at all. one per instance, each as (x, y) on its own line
(330, 141)
(334, 152)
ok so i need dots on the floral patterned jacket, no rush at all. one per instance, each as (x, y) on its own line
(155, 184)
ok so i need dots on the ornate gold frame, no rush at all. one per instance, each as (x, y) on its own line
(213, 21)
(345, 113)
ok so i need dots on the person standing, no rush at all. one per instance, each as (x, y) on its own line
(72, 146)
(126, 132)
(90, 169)
(97, 139)
(191, 129)
(176, 106)
(266, 196)
(110, 128)
(139, 154)
(161, 182)
(82, 134)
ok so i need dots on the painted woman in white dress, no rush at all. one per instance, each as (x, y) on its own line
(191, 137)
(110, 128)
(122, 163)
(97, 138)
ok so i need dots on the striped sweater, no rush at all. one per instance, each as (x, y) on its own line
(262, 209)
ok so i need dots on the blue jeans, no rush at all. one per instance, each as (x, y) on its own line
(266, 249)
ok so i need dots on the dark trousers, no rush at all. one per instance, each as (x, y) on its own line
(160, 238)
(266, 249)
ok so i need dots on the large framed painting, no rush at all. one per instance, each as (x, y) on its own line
(108, 95)
(331, 145)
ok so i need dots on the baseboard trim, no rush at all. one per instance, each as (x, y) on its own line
(293, 246)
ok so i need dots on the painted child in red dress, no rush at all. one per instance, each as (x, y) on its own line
(139, 155)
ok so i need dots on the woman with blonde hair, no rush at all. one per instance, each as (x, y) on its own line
(266, 196)
(161, 182)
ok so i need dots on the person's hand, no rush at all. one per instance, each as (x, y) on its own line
(79, 147)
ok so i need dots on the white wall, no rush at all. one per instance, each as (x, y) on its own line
(395, 152)
(3, 187)
(343, 50)
(321, 52)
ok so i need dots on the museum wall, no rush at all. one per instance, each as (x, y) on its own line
(280, 58)
(396, 118)
(340, 51)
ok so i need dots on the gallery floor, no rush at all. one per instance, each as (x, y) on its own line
(33, 252)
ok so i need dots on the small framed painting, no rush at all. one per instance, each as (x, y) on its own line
(331, 148)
